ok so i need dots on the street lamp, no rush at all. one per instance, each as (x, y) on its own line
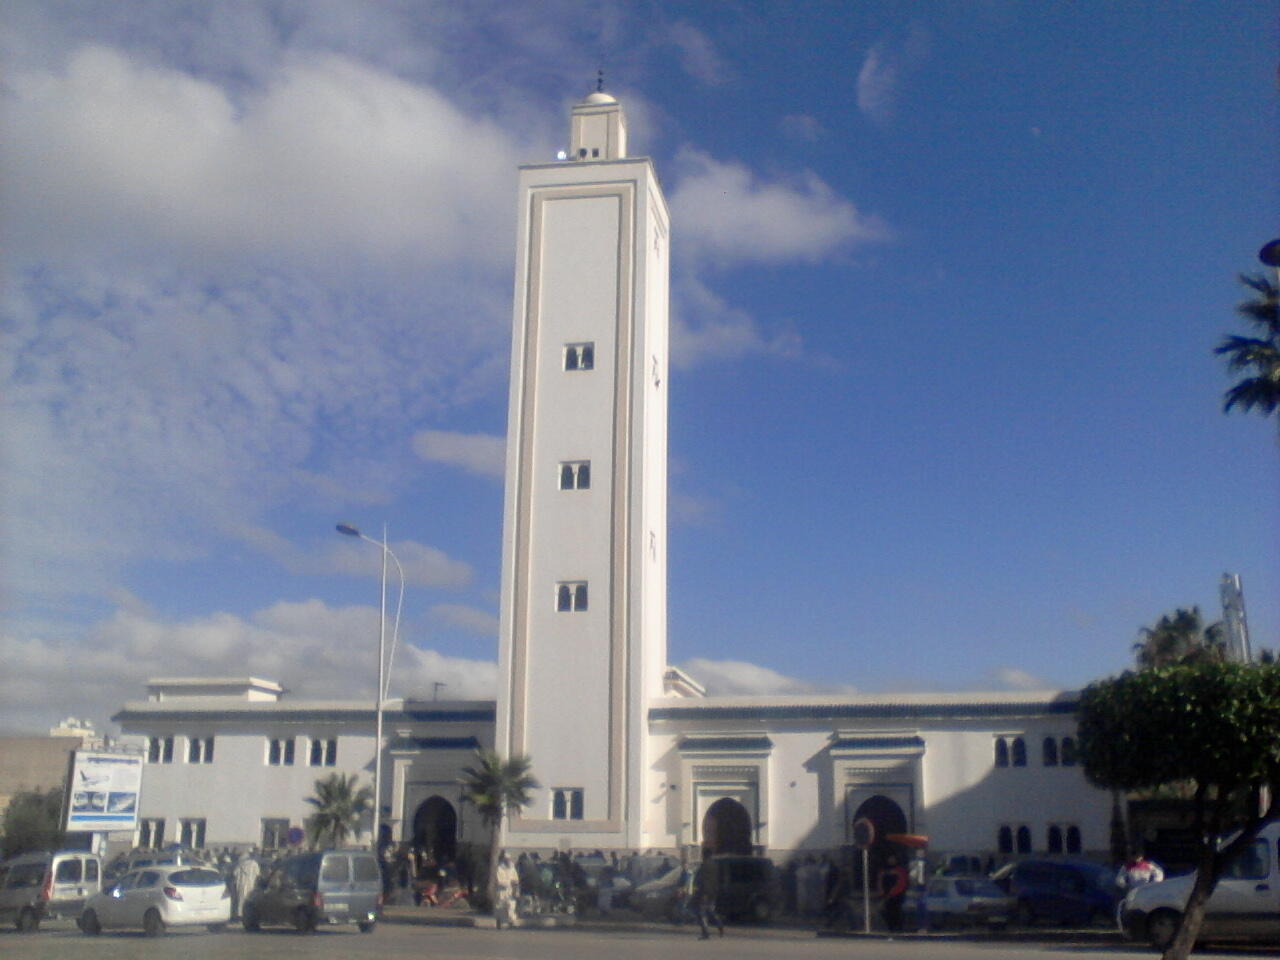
(384, 667)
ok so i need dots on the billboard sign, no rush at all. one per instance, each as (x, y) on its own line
(104, 791)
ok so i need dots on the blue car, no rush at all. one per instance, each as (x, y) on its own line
(1063, 892)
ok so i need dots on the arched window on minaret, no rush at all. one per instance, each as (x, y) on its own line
(564, 598)
(1050, 752)
(580, 597)
(1002, 752)
(1019, 753)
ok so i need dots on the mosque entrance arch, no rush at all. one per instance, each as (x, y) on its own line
(888, 817)
(726, 827)
(435, 829)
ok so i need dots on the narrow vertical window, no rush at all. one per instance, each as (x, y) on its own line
(564, 598)
(331, 752)
(571, 358)
(1068, 752)
(1019, 752)
(580, 597)
(584, 475)
(558, 811)
(273, 752)
(1055, 839)
(1002, 752)
(1004, 840)
(317, 752)
(588, 356)
(153, 750)
(288, 752)
(1050, 752)
(566, 476)
(1024, 839)
(1073, 840)
(166, 754)
(575, 804)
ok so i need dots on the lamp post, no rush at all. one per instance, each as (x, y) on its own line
(384, 668)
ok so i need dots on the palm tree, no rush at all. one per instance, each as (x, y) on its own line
(340, 805)
(495, 787)
(1180, 638)
(1258, 355)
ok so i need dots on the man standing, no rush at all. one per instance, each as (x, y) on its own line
(245, 877)
(1138, 871)
(507, 884)
(894, 883)
(706, 890)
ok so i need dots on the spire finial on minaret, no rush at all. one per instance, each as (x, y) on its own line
(600, 80)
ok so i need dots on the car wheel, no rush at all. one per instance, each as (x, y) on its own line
(89, 923)
(302, 922)
(366, 926)
(1162, 927)
(761, 911)
(250, 921)
(152, 925)
(28, 921)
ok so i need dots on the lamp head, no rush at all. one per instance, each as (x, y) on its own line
(348, 530)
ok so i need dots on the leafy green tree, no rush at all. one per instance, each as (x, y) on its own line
(1258, 355)
(340, 805)
(1212, 724)
(1180, 638)
(497, 787)
(32, 821)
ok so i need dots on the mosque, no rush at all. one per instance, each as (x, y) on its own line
(630, 752)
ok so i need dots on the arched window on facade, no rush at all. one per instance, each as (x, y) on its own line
(1068, 752)
(564, 598)
(1073, 840)
(1004, 840)
(1055, 839)
(1002, 752)
(1050, 752)
(1019, 752)
(580, 597)
(1024, 839)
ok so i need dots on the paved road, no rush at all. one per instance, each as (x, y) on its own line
(61, 941)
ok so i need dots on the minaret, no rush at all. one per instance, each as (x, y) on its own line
(582, 644)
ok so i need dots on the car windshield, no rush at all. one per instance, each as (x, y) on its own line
(971, 887)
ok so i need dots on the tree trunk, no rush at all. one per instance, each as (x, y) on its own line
(1206, 880)
(491, 885)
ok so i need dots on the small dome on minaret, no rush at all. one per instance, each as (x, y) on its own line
(598, 130)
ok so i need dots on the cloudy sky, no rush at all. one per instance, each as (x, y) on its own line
(947, 278)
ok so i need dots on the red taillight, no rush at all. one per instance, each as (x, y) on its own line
(46, 891)
(317, 900)
(173, 893)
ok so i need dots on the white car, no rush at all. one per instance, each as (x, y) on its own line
(155, 898)
(1245, 905)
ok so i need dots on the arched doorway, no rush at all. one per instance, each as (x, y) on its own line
(887, 816)
(726, 827)
(435, 829)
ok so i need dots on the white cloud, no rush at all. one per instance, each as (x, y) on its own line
(877, 84)
(730, 215)
(1014, 678)
(315, 650)
(698, 55)
(737, 677)
(329, 158)
(480, 453)
(471, 619)
(706, 327)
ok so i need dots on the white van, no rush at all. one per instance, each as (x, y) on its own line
(38, 886)
(1245, 905)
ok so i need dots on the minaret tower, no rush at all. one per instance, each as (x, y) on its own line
(582, 644)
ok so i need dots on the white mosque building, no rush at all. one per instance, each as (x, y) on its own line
(643, 760)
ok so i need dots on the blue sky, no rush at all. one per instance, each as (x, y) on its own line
(947, 278)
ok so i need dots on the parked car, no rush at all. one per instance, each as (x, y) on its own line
(963, 901)
(663, 897)
(156, 898)
(36, 886)
(140, 857)
(748, 888)
(309, 889)
(1065, 892)
(1244, 906)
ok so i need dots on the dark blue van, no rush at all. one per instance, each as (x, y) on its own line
(1060, 892)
